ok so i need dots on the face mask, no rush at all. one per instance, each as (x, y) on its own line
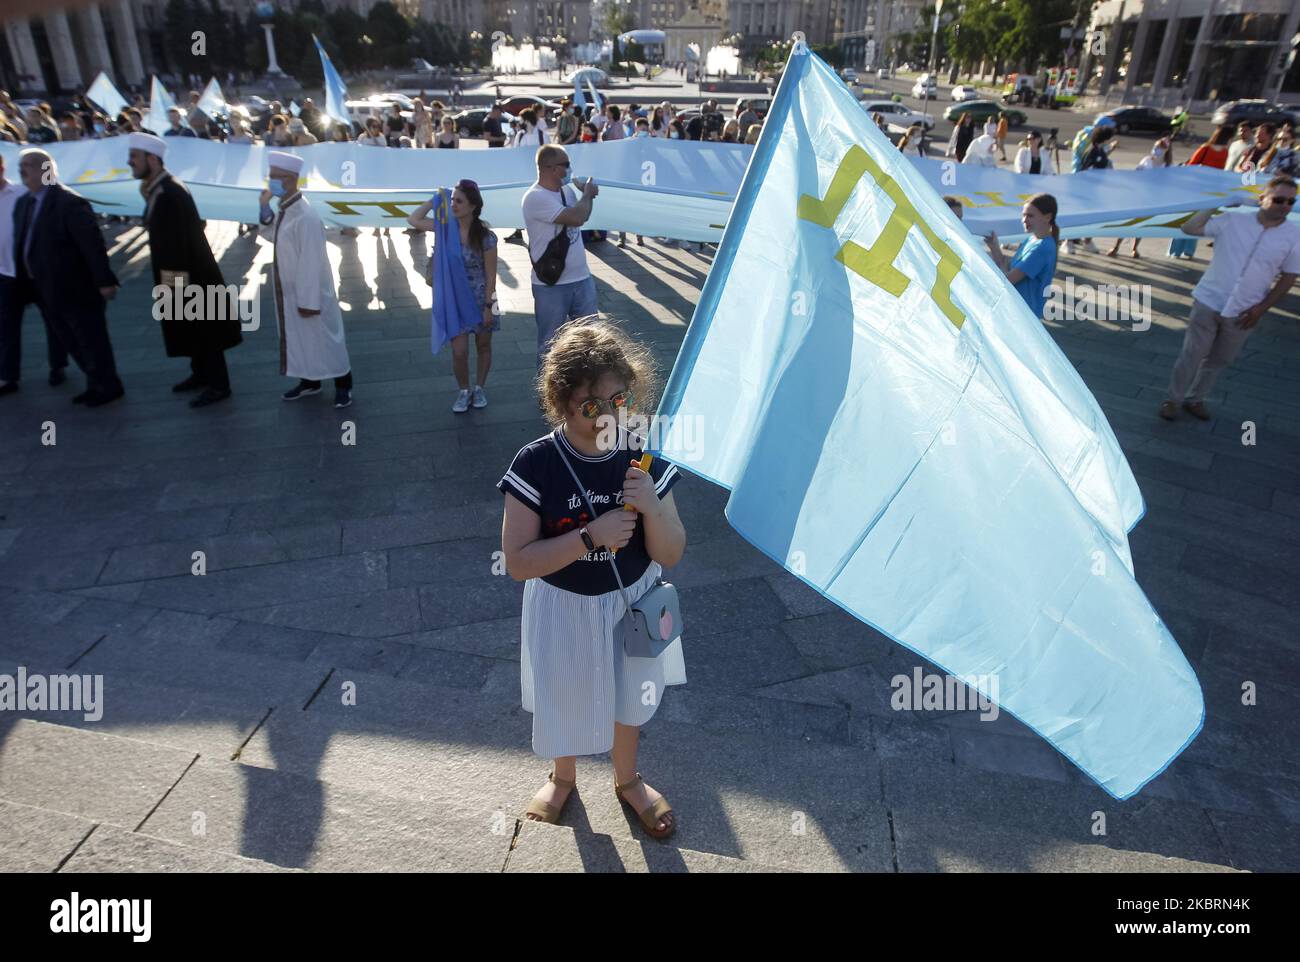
(1158, 152)
(567, 178)
(277, 188)
(99, 128)
(673, 135)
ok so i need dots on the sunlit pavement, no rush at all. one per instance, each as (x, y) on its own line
(340, 689)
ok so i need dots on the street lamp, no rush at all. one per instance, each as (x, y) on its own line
(934, 40)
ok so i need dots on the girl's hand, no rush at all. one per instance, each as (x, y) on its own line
(613, 529)
(639, 491)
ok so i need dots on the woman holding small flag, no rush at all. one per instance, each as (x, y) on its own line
(463, 274)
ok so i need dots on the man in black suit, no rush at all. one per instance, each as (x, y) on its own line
(11, 301)
(180, 253)
(62, 265)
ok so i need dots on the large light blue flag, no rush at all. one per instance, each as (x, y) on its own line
(104, 95)
(336, 93)
(213, 101)
(898, 430)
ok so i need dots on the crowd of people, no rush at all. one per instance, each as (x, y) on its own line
(581, 565)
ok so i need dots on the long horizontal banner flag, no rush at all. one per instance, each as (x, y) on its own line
(651, 186)
(899, 431)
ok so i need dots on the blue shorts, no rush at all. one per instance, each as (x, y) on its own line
(555, 304)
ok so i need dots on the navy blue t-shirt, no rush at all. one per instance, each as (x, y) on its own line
(539, 479)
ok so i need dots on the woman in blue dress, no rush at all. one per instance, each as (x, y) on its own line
(1031, 267)
(478, 248)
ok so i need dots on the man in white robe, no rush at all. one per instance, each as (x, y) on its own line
(312, 346)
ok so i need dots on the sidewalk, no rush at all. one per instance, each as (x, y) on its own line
(230, 739)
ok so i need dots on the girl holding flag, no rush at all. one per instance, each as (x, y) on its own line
(463, 274)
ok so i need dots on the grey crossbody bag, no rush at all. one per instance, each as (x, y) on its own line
(654, 621)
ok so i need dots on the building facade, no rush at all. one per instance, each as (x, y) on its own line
(1193, 51)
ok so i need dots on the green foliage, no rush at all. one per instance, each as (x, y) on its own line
(1016, 34)
(832, 53)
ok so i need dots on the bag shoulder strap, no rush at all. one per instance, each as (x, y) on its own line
(582, 490)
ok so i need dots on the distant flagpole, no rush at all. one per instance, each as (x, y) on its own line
(336, 93)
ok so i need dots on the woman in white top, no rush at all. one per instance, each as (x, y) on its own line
(422, 121)
(374, 135)
(528, 134)
(1031, 158)
(912, 143)
(1162, 155)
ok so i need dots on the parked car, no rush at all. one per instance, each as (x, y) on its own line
(925, 86)
(964, 92)
(521, 102)
(1253, 112)
(469, 123)
(982, 110)
(760, 105)
(849, 75)
(1140, 118)
(882, 73)
(899, 114)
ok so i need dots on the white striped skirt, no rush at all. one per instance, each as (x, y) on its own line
(574, 681)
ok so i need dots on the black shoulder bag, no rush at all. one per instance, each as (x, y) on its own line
(550, 266)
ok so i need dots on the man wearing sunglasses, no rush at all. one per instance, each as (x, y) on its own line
(1256, 260)
(550, 206)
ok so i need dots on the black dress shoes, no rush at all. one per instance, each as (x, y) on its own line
(95, 399)
(83, 397)
(9, 387)
(191, 383)
(210, 395)
(57, 376)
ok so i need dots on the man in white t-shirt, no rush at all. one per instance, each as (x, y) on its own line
(1256, 260)
(549, 207)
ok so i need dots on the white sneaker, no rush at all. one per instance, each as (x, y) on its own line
(1090, 247)
(462, 403)
(479, 399)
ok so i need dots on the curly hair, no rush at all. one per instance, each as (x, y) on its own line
(583, 350)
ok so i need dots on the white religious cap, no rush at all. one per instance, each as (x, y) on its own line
(284, 160)
(148, 143)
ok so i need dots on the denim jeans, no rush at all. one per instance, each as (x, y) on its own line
(558, 303)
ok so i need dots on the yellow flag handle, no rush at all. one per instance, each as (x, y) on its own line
(644, 465)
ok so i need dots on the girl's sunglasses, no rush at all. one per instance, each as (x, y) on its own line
(592, 407)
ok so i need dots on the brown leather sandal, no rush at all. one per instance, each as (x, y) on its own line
(545, 811)
(652, 813)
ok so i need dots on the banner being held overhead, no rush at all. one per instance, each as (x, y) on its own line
(648, 185)
(898, 430)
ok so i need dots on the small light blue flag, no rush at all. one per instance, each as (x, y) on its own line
(898, 430)
(213, 101)
(105, 96)
(160, 101)
(336, 93)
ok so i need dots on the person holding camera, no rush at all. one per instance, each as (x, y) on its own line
(563, 288)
